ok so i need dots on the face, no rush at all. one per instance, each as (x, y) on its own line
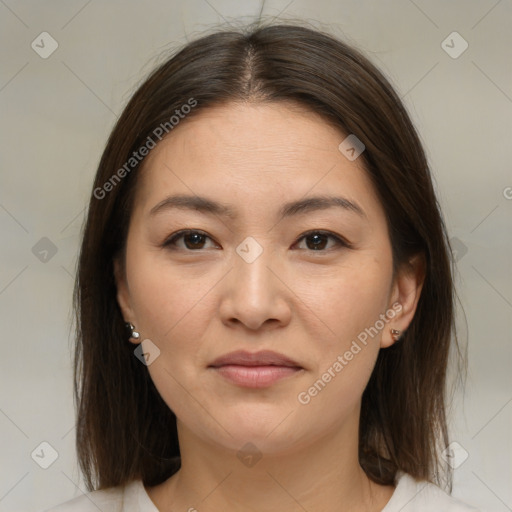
(311, 281)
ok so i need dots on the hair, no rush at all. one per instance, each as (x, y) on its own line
(125, 430)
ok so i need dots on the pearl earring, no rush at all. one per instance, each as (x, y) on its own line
(132, 333)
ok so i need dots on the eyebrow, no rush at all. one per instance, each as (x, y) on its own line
(301, 206)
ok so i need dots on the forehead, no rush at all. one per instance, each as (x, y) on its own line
(253, 154)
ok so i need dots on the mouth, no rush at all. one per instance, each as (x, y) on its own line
(255, 370)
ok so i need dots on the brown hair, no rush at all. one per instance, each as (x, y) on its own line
(124, 428)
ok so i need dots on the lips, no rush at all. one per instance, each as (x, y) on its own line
(262, 358)
(255, 370)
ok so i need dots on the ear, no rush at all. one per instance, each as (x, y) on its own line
(123, 293)
(405, 291)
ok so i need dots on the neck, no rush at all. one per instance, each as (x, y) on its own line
(323, 475)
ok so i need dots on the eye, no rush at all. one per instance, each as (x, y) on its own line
(318, 240)
(193, 240)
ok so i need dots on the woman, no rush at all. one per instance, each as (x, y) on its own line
(263, 222)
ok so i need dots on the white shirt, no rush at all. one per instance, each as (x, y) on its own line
(409, 496)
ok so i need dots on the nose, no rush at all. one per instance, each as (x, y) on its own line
(255, 294)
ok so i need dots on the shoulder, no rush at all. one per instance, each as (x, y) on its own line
(126, 498)
(420, 496)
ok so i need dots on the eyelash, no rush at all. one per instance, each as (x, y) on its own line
(340, 242)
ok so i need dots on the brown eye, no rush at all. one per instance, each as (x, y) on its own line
(319, 240)
(192, 239)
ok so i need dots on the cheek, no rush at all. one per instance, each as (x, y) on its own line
(169, 304)
(350, 304)
(350, 298)
(350, 307)
(172, 310)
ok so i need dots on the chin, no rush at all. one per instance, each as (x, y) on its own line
(271, 429)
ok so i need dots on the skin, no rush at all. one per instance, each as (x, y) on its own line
(196, 304)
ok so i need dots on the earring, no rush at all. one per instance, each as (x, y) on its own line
(132, 333)
(395, 334)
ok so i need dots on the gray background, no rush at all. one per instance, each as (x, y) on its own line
(57, 113)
